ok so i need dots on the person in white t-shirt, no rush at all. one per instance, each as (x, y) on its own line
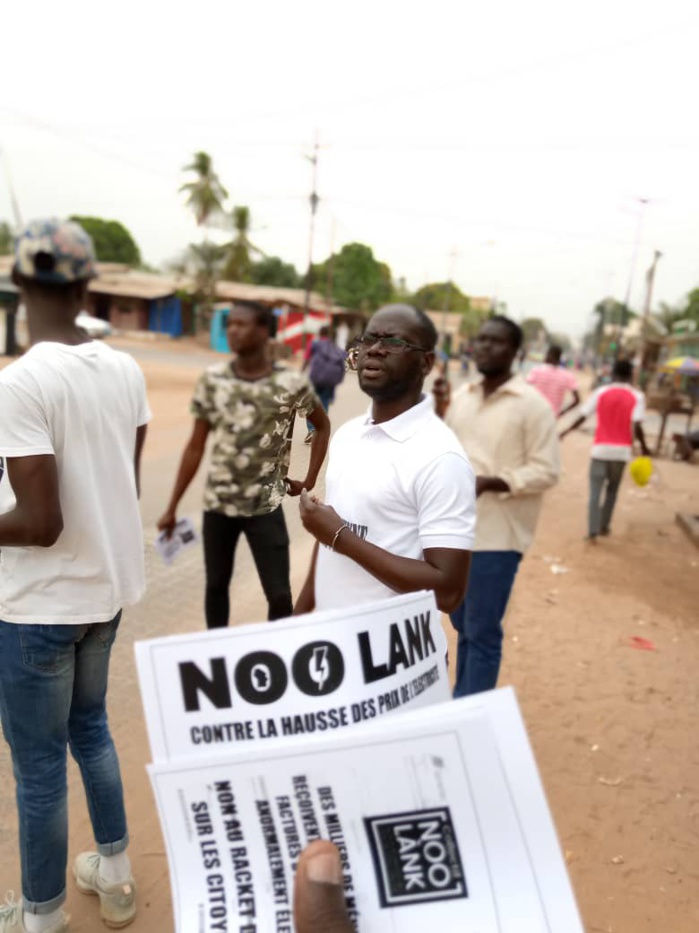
(400, 510)
(73, 415)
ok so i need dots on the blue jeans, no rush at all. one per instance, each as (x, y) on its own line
(478, 620)
(53, 687)
(326, 396)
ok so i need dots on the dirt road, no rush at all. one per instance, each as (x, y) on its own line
(612, 726)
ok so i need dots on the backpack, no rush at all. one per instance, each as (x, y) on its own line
(327, 364)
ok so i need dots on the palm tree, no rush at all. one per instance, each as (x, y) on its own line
(206, 194)
(239, 263)
(207, 259)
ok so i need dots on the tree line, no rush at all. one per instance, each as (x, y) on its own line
(352, 277)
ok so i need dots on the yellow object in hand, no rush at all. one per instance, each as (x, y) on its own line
(641, 470)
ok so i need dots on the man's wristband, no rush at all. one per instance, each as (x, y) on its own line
(337, 535)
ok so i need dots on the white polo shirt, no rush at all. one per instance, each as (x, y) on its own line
(404, 485)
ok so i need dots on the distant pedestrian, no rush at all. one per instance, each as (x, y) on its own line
(73, 415)
(554, 382)
(508, 432)
(620, 410)
(249, 404)
(325, 362)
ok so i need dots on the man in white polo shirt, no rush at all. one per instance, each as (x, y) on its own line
(400, 512)
(620, 409)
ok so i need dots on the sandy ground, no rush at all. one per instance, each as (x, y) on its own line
(612, 726)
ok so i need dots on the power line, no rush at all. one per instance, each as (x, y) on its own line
(79, 141)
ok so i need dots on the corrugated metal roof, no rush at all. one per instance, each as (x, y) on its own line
(268, 294)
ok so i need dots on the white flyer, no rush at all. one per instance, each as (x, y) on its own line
(184, 535)
(439, 815)
(209, 692)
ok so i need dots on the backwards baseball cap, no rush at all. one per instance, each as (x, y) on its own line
(55, 252)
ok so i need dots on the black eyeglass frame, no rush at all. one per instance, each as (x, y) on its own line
(398, 346)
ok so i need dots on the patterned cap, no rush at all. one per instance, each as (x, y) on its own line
(55, 251)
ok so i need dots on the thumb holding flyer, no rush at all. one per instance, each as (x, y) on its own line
(319, 895)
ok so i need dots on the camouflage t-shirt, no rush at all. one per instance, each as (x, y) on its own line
(252, 422)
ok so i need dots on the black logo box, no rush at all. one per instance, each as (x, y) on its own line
(416, 857)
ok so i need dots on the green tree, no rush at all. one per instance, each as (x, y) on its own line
(533, 328)
(441, 296)
(666, 315)
(691, 309)
(205, 194)
(561, 340)
(471, 321)
(271, 270)
(6, 239)
(359, 280)
(611, 311)
(239, 260)
(111, 239)
(206, 260)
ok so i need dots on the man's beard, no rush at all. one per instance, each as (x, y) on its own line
(390, 391)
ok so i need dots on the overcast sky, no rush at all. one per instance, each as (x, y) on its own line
(516, 136)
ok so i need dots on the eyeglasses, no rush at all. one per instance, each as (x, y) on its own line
(389, 344)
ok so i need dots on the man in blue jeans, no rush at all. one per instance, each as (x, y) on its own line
(508, 431)
(73, 416)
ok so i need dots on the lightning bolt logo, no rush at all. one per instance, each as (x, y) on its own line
(319, 667)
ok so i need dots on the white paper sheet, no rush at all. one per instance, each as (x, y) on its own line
(439, 815)
(184, 535)
(208, 692)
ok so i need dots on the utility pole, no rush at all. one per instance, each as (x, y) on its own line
(650, 280)
(634, 256)
(311, 232)
(13, 197)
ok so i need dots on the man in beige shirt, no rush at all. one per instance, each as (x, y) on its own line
(508, 431)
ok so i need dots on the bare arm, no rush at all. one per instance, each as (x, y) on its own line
(36, 518)
(641, 438)
(319, 447)
(441, 391)
(140, 441)
(573, 404)
(306, 601)
(444, 570)
(189, 464)
(490, 484)
(574, 426)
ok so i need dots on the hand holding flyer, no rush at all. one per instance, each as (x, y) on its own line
(440, 821)
(436, 807)
(184, 535)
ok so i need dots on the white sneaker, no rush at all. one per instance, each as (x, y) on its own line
(12, 920)
(117, 901)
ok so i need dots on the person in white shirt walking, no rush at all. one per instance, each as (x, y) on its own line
(554, 382)
(73, 416)
(508, 431)
(400, 511)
